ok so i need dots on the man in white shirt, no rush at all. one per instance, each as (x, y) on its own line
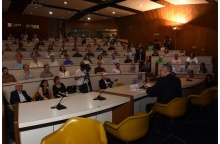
(185, 68)
(113, 60)
(81, 79)
(35, 63)
(192, 58)
(52, 61)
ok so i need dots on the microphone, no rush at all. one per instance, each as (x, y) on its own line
(59, 106)
(99, 97)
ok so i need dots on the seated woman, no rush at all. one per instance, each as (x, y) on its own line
(63, 54)
(181, 53)
(104, 53)
(117, 69)
(209, 81)
(99, 59)
(59, 89)
(166, 52)
(87, 60)
(18, 53)
(63, 72)
(7, 45)
(202, 68)
(44, 91)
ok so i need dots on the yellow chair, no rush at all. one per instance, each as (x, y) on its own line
(78, 131)
(215, 92)
(35, 95)
(130, 129)
(174, 109)
(205, 98)
(120, 84)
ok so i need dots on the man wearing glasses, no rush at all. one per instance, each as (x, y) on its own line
(19, 95)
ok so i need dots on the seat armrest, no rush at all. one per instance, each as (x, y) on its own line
(112, 125)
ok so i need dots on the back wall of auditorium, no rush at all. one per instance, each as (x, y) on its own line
(197, 27)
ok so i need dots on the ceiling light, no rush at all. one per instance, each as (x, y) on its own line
(50, 12)
(113, 12)
(63, 17)
(68, 12)
(88, 18)
(141, 5)
(65, 2)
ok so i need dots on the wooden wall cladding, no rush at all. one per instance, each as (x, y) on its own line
(22, 19)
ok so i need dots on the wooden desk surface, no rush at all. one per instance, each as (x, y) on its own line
(40, 112)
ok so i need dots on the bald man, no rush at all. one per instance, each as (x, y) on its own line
(19, 95)
(105, 82)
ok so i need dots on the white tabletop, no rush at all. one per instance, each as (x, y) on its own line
(40, 112)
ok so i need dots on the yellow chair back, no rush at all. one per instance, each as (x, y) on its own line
(78, 131)
(205, 98)
(130, 129)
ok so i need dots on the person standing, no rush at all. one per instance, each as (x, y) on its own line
(81, 79)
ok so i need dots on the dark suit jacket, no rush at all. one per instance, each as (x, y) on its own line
(102, 84)
(166, 89)
(15, 97)
(139, 56)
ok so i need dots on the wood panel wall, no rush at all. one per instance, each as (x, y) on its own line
(10, 17)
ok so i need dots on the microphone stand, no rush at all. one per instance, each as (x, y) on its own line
(99, 97)
(59, 106)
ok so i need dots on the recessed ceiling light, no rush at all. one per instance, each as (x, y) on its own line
(88, 3)
(141, 5)
(62, 17)
(68, 12)
(77, 8)
(88, 18)
(106, 29)
(113, 12)
(50, 12)
(65, 2)
(118, 16)
(30, 12)
(35, 7)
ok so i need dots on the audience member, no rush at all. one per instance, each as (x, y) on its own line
(83, 41)
(105, 43)
(105, 82)
(117, 69)
(128, 52)
(104, 53)
(132, 68)
(99, 59)
(90, 53)
(77, 54)
(150, 46)
(181, 53)
(140, 56)
(19, 64)
(146, 67)
(88, 47)
(192, 58)
(50, 46)
(202, 68)
(29, 43)
(155, 53)
(16, 42)
(35, 53)
(18, 53)
(63, 54)
(160, 60)
(111, 47)
(19, 95)
(7, 45)
(99, 69)
(139, 79)
(133, 50)
(52, 61)
(209, 81)
(10, 37)
(157, 44)
(176, 59)
(81, 79)
(35, 63)
(185, 68)
(68, 61)
(128, 59)
(58, 88)
(166, 52)
(6, 77)
(41, 42)
(116, 52)
(113, 60)
(87, 60)
(35, 38)
(46, 73)
(63, 47)
(173, 69)
(26, 74)
(99, 47)
(49, 53)
(63, 72)
(44, 91)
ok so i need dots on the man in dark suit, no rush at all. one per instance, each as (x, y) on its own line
(105, 82)
(140, 56)
(166, 88)
(19, 95)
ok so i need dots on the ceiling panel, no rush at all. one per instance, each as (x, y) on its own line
(141, 5)
(44, 11)
(93, 18)
(114, 12)
(5, 5)
(72, 4)
(184, 2)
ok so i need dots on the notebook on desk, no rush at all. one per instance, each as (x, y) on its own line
(71, 89)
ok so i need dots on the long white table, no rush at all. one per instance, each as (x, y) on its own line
(37, 119)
